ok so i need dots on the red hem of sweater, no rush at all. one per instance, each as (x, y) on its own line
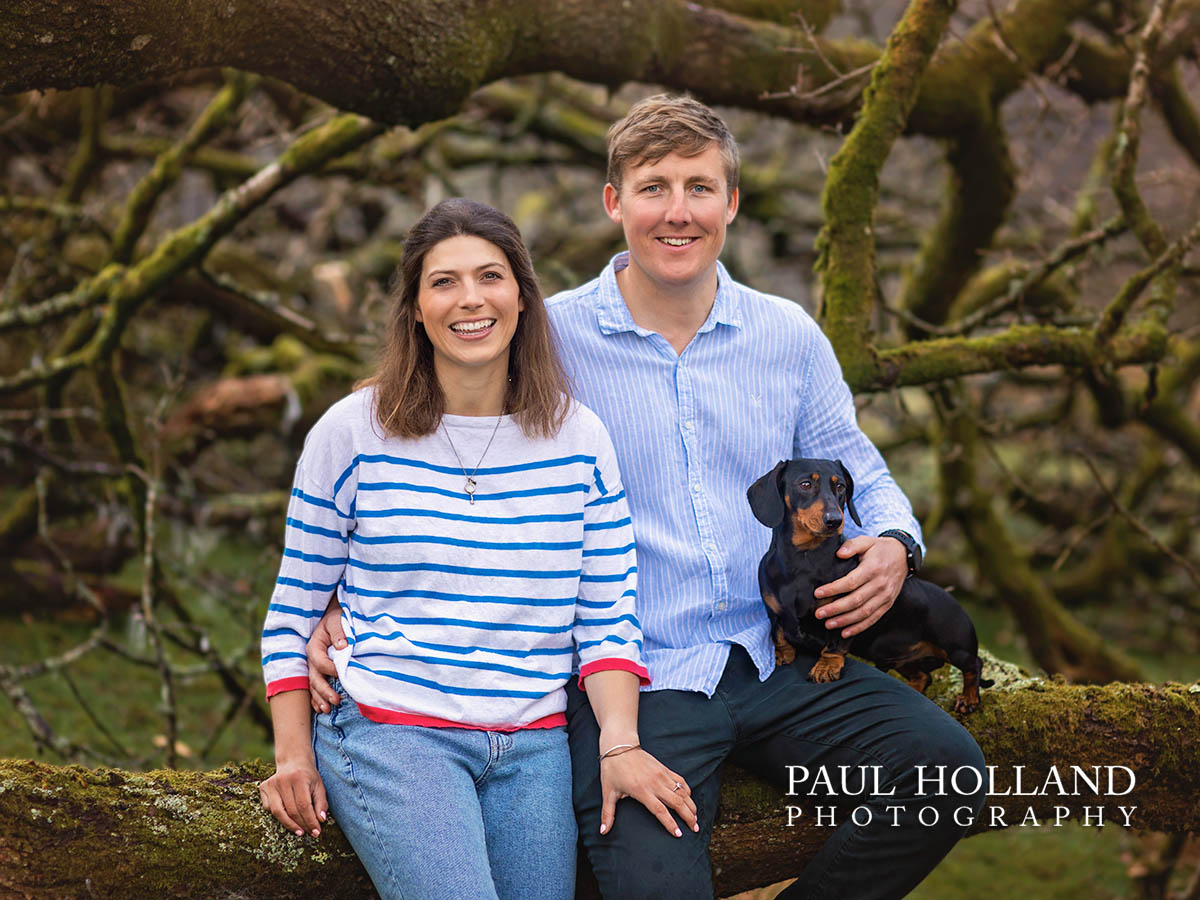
(395, 717)
(295, 683)
(603, 665)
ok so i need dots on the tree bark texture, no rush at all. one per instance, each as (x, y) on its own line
(75, 832)
(413, 61)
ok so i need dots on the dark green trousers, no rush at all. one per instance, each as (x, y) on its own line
(865, 719)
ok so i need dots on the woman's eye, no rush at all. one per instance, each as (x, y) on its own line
(491, 276)
(438, 282)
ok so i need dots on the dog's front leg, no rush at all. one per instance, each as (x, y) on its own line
(784, 651)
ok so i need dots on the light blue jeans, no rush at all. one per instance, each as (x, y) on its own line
(435, 813)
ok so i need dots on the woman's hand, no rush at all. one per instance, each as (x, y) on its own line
(326, 636)
(637, 774)
(295, 796)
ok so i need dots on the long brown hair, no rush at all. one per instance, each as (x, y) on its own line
(408, 399)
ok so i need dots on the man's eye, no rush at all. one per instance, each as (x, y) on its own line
(699, 188)
(652, 188)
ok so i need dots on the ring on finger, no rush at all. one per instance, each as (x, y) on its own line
(678, 785)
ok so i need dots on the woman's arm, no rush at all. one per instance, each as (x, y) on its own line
(613, 694)
(294, 794)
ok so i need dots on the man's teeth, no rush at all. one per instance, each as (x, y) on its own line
(470, 327)
(677, 242)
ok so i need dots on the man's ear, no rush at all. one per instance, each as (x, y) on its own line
(849, 493)
(612, 203)
(766, 496)
(732, 208)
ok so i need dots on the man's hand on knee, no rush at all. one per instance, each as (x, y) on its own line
(328, 633)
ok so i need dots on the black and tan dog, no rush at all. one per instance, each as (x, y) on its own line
(802, 501)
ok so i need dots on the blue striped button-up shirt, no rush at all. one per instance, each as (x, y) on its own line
(758, 383)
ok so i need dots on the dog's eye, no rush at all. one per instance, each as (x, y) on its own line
(806, 484)
(841, 489)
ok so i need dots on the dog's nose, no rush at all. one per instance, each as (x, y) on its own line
(833, 518)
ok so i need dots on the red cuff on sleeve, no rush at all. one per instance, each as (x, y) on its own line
(296, 683)
(624, 665)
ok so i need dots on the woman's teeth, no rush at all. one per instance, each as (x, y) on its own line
(472, 327)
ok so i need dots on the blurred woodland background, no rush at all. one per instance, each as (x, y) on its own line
(194, 264)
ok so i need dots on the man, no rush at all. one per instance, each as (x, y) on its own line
(704, 384)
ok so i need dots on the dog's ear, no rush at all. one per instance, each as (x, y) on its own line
(766, 496)
(849, 493)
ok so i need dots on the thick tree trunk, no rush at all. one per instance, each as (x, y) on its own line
(413, 61)
(74, 832)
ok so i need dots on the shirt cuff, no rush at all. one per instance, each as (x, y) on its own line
(618, 663)
(295, 683)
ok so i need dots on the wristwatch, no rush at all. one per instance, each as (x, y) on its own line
(911, 547)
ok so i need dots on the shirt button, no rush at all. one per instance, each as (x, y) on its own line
(687, 426)
(696, 488)
(721, 606)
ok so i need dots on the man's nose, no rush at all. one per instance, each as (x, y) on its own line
(679, 211)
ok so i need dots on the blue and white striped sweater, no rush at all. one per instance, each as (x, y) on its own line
(457, 613)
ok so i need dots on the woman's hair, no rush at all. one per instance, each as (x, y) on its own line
(408, 398)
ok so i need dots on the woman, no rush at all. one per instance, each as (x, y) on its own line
(470, 518)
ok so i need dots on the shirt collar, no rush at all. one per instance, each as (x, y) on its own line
(613, 315)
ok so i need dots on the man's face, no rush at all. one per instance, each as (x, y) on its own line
(674, 213)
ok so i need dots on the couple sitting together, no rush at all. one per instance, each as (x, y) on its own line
(461, 540)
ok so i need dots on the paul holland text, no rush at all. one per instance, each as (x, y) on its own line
(871, 783)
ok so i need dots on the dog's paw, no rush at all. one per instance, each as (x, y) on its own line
(827, 668)
(920, 682)
(964, 705)
(784, 652)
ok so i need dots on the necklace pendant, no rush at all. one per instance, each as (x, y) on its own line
(469, 487)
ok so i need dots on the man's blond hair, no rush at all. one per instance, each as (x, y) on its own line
(664, 124)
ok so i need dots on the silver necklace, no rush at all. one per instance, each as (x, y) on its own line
(469, 486)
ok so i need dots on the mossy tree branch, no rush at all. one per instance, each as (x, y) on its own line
(1129, 137)
(185, 247)
(168, 166)
(75, 832)
(1019, 346)
(1058, 641)
(997, 56)
(846, 245)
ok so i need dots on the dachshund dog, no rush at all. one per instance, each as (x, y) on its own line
(802, 502)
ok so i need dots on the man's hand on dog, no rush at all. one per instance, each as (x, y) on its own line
(328, 633)
(870, 590)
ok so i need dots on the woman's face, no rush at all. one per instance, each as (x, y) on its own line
(469, 302)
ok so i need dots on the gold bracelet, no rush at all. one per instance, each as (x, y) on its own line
(618, 750)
